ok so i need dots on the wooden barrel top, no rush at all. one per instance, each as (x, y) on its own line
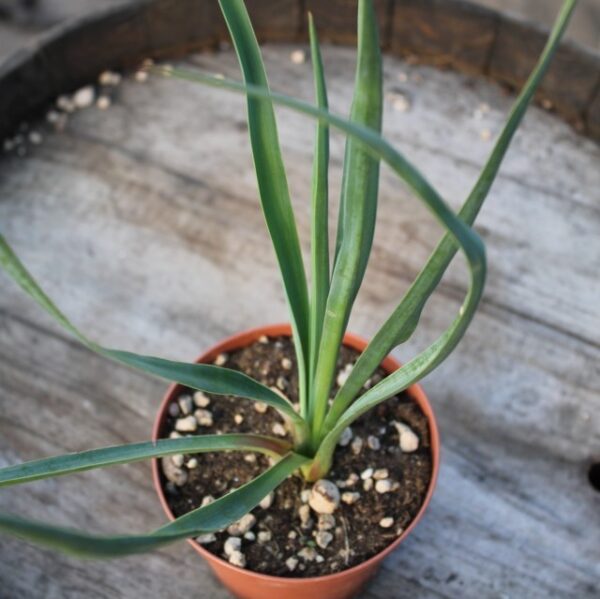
(143, 223)
(452, 33)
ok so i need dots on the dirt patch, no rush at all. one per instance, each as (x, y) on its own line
(280, 542)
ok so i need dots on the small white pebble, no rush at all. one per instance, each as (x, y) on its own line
(238, 559)
(204, 417)
(383, 486)
(263, 339)
(35, 138)
(367, 473)
(387, 522)
(250, 536)
(250, 458)
(267, 501)
(177, 459)
(343, 375)
(186, 425)
(192, 463)
(175, 435)
(286, 363)
(279, 430)
(324, 497)
(368, 484)
(185, 404)
(352, 479)
(357, 445)
(141, 76)
(373, 442)
(242, 526)
(401, 103)
(201, 399)
(281, 383)
(381, 473)
(207, 538)
(238, 419)
(264, 536)
(208, 499)
(220, 359)
(345, 437)
(232, 544)
(103, 102)
(319, 559)
(547, 104)
(65, 103)
(308, 553)
(350, 497)
(109, 78)
(326, 522)
(52, 117)
(173, 473)
(485, 134)
(304, 513)
(84, 97)
(292, 534)
(407, 438)
(323, 538)
(173, 410)
(305, 495)
(298, 57)
(291, 563)
(260, 407)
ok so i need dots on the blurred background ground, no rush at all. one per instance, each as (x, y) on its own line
(23, 20)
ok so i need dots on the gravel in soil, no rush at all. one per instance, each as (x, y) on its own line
(381, 486)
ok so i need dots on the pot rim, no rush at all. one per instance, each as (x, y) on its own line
(389, 364)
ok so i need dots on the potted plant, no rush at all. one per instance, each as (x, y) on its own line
(321, 452)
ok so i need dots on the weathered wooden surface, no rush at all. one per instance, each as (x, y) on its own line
(143, 223)
(453, 33)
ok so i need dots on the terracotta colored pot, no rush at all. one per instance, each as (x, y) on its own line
(246, 584)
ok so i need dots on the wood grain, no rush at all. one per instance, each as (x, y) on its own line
(447, 33)
(143, 223)
(512, 60)
(452, 33)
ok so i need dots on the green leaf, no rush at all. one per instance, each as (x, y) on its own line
(358, 213)
(209, 518)
(319, 209)
(468, 240)
(272, 182)
(205, 377)
(134, 452)
(403, 321)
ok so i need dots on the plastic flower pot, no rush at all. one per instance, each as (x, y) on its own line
(244, 583)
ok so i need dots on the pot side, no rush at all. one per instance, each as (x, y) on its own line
(246, 584)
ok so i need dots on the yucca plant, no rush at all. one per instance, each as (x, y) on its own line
(319, 314)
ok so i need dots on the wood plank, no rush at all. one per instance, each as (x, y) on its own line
(569, 83)
(336, 20)
(145, 227)
(447, 33)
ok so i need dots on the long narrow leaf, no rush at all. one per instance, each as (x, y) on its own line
(468, 240)
(272, 182)
(319, 245)
(205, 377)
(403, 321)
(358, 213)
(209, 518)
(134, 452)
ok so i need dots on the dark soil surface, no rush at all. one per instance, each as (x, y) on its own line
(357, 533)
